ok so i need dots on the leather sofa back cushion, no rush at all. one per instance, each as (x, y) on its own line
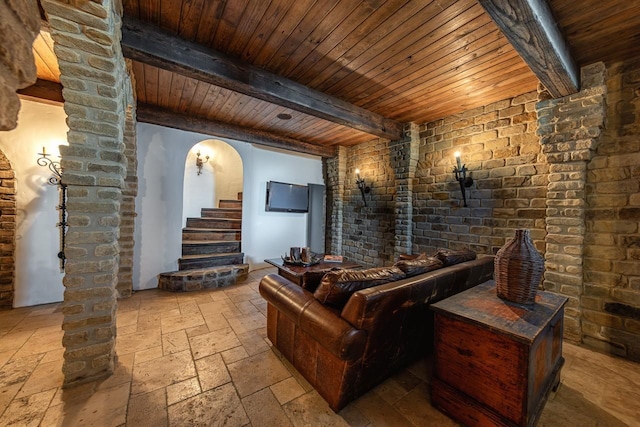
(421, 264)
(449, 257)
(336, 287)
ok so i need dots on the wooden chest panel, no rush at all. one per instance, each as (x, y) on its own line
(495, 362)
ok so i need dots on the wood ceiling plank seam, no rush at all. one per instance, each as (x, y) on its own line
(240, 113)
(200, 92)
(164, 87)
(218, 103)
(447, 89)
(170, 11)
(140, 79)
(327, 48)
(131, 8)
(356, 49)
(209, 20)
(52, 59)
(479, 51)
(317, 36)
(190, 15)
(233, 11)
(269, 112)
(306, 26)
(150, 11)
(594, 13)
(229, 102)
(478, 91)
(208, 101)
(187, 95)
(175, 92)
(248, 24)
(384, 51)
(151, 79)
(461, 69)
(42, 56)
(278, 10)
(440, 58)
(506, 93)
(259, 109)
(284, 30)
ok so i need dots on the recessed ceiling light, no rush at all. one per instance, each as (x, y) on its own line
(284, 116)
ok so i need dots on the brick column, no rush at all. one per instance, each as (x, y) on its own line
(8, 210)
(335, 171)
(404, 161)
(570, 128)
(96, 91)
(128, 208)
(19, 24)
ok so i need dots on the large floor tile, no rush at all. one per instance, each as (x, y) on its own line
(217, 407)
(161, 372)
(257, 372)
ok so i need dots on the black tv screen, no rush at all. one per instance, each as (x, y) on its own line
(283, 197)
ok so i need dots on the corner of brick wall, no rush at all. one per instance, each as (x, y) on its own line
(8, 211)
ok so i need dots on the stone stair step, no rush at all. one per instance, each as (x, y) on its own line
(200, 247)
(221, 213)
(228, 234)
(204, 278)
(230, 204)
(214, 223)
(189, 262)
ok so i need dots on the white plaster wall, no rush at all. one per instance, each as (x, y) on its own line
(161, 166)
(38, 279)
(221, 177)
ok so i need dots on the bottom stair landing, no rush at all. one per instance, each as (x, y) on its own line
(204, 278)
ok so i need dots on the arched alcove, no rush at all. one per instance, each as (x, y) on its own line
(219, 178)
(8, 210)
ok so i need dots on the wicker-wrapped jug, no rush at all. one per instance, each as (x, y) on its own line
(518, 269)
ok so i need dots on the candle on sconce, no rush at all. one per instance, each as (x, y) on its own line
(358, 173)
(44, 151)
(457, 155)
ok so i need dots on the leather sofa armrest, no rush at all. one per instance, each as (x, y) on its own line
(320, 322)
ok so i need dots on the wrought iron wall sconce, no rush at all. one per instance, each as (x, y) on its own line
(364, 188)
(200, 162)
(56, 179)
(460, 171)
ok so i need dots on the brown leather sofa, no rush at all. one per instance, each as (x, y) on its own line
(344, 353)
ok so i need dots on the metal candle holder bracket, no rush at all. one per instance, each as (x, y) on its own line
(200, 162)
(56, 179)
(460, 172)
(364, 188)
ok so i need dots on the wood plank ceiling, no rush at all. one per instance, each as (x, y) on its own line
(406, 60)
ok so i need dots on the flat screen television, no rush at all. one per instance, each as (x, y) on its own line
(283, 197)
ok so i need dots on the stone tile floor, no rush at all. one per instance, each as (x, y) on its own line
(200, 359)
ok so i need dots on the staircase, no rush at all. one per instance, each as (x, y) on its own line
(211, 253)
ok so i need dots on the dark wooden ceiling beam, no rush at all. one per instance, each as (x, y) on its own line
(171, 119)
(150, 45)
(532, 30)
(43, 91)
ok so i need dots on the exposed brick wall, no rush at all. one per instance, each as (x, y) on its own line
(128, 208)
(611, 297)
(499, 145)
(334, 171)
(569, 130)
(567, 169)
(8, 210)
(19, 26)
(96, 93)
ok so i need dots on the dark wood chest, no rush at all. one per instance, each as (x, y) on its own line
(495, 361)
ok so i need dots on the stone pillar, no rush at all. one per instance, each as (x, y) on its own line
(96, 87)
(19, 26)
(8, 212)
(335, 171)
(128, 209)
(569, 129)
(404, 161)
